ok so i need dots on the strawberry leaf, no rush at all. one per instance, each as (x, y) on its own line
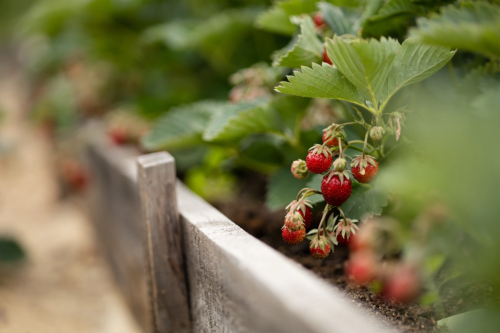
(308, 49)
(341, 20)
(322, 81)
(473, 27)
(365, 201)
(282, 189)
(397, 7)
(182, 126)
(235, 121)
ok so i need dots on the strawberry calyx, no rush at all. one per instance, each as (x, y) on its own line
(332, 134)
(345, 228)
(341, 174)
(321, 149)
(294, 220)
(362, 162)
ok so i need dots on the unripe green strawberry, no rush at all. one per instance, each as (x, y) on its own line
(293, 237)
(340, 164)
(299, 169)
(377, 133)
(336, 188)
(320, 247)
(319, 160)
(364, 169)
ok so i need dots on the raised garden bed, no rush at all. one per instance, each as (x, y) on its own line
(222, 279)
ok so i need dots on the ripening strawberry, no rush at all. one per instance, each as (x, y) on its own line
(319, 22)
(326, 58)
(364, 169)
(330, 135)
(304, 209)
(293, 237)
(294, 220)
(336, 188)
(362, 267)
(299, 169)
(319, 160)
(403, 285)
(320, 247)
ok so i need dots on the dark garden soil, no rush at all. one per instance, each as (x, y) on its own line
(252, 215)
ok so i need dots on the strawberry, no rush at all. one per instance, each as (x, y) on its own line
(326, 58)
(361, 267)
(117, 135)
(319, 22)
(294, 220)
(319, 160)
(345, 231)
(330, 135)
(293, 237)
(303, 207)
(402, 286)
(364, 169)
(377, 133)
(336, 188)
(320, 247)
(299, 169)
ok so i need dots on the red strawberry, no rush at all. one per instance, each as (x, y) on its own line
(403, 286)
(345, 231)
(319, 21)
(364, 169)
(117, 135)
(361, 267)
(326, 58)
(304, 209)
(299, 169)
(293, 237)
(330, 135)
(336, 188)
(319, 160)
(320, 247)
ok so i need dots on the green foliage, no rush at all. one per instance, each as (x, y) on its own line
(308, 49)
(369, 72)
(472, 27)
(341, 20)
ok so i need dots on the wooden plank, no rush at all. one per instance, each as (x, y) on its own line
(112, 201)
(161, 222)
(239, 284)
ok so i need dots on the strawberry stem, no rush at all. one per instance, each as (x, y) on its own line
(325, 213)
(342, 213)
(366, 141)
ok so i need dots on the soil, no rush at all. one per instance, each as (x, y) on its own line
(253, 216)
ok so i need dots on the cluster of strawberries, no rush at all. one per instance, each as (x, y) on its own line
(335, 188)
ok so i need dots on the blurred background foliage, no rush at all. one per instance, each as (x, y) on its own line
(201, 74)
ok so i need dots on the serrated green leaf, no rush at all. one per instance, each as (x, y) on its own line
(321, 82)
(365, 63)
(365, 202)
(276, 20)
(282, 189)
(413, 63)
(341, 20)
(235, 121)
(473, 27)
(308, 49)
(397, 7)
(182, 126)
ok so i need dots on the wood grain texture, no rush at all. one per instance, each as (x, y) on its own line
(112, 201)
(239, 284)
(161, 222)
